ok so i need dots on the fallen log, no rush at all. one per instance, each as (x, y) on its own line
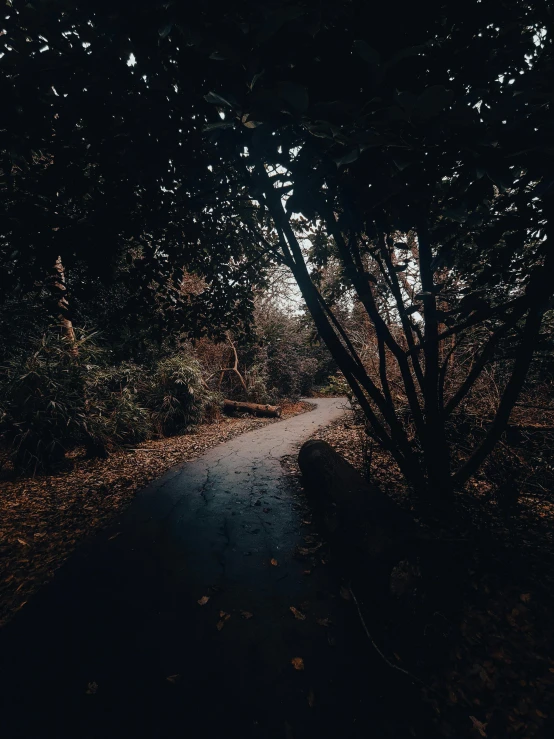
(366, 526)
(257, 409)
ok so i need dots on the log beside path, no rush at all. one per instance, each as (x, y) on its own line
(366, 526)
(257, 409)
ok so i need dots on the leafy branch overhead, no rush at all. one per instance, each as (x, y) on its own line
(409, 150)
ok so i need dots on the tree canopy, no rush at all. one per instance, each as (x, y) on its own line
(409, 146)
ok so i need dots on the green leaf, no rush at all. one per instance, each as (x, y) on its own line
(432, 101)
(401, 162)
(367, 53)
(348, 158)
(458, 214)
(366, 139)
(216, 99)
(405, 54)
(407, 100)
(218, 125)
(295, 95)
(322, 130)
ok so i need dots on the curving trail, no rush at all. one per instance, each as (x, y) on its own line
(90, 655)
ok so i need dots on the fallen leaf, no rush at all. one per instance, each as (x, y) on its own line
(246, 614)
(114, 536)
(311, 698)
(274, 562)
(297, 614)
(324, 621)
(307, 572)
(224, 617)
(23, 542)
(525, 597)
(173, 678)
(345, 593)
(297, 663)
(541, 714)
(91, 689)
(203, 600)
(479, 726)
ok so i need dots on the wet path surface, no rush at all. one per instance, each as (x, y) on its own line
(91, 654)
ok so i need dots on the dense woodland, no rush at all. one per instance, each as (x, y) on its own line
(263, 201)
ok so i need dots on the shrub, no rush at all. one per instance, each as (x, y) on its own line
(214, 406)
(114, 411)
(43, 403)
(337, 386)
(176, 397)
(256, 382)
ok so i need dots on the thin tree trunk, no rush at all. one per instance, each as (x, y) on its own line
(435, 447)
(59, 291)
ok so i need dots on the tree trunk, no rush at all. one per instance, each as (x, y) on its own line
(59, 291)
(257, 409)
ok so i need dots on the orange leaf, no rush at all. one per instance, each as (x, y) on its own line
(203, 600)
(246, 614)
(273, 562)
(224, 617)
(297, 614)
(297, 663)
(479, 726)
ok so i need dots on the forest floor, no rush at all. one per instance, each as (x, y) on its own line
(43, 518)
(474, 624)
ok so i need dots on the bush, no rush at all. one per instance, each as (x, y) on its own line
(256, 382)
(42, 399)
(337, 386)
(52, 400)
(213, 407)
(114, 411)
(177, 397)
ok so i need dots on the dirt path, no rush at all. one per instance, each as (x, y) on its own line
(178, 621)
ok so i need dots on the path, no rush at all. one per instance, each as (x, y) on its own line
(91, 654)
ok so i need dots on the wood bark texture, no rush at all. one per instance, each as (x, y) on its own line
(257, 409)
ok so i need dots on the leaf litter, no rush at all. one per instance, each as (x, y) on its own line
(499, 656)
